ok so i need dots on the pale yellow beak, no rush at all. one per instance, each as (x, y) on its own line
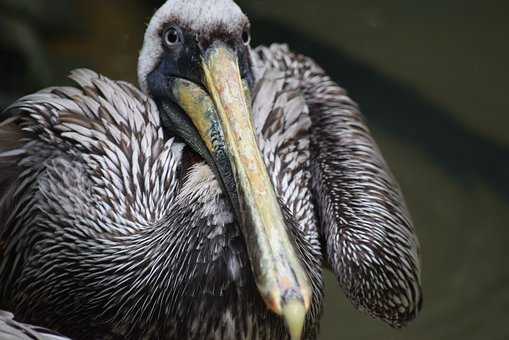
(223, 117)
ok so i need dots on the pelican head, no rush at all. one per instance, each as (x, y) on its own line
(195, 63)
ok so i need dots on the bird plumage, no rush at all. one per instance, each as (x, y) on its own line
(10, 329)
(115, 229)
(370, 243)
(98, 183)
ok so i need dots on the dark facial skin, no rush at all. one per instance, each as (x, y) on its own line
(182, 57)
(183, 51)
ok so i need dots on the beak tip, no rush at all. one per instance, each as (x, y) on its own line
(294, 313)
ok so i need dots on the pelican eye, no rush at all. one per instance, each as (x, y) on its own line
(172, 36)
(246, 37)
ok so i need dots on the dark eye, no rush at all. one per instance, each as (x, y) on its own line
(172, 36)
(246, 37)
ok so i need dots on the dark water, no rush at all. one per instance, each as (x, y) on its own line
(431, 77)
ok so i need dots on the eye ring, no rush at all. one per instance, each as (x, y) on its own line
(246, 37)
(172, 36)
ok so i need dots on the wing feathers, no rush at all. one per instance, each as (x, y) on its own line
(369, 239)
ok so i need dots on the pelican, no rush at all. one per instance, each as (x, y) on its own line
(204, 205)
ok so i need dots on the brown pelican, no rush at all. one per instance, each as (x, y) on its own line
(205, 205)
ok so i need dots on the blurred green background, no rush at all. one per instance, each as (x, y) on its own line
(432, 79)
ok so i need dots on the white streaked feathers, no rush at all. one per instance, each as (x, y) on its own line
(281, 119)
(106, 162)
(370, 242)
(11, 329)
(201, 186)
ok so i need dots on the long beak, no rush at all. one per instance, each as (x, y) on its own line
(224, 121)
